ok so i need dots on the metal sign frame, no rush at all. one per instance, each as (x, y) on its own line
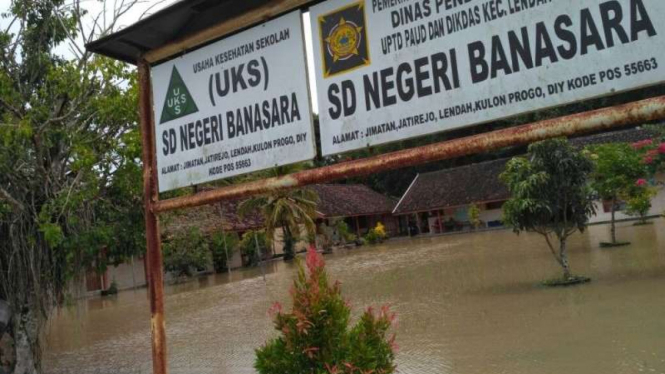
(598, 120)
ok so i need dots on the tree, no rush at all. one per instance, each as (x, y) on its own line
(653, 151)
(286, 210)
(617, 167)
(185, 253)
(550, 195)
(315, 336)
(67, 161)
(640, 204)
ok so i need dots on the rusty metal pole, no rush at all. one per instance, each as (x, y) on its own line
(598, 120)
(153, 243)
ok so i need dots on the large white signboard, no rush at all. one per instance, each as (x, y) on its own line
(235, 106)
(393, 69)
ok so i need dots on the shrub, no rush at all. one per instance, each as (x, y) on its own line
(185, 253)
(223, 245)
(474, 216)
(640, 204)
(315, 336)
(344, 232)
(377, 234)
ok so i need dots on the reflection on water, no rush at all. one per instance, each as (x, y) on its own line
(466, 304)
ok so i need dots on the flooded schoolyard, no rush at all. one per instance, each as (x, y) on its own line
(467, 304)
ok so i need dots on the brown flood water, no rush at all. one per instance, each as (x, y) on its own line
(467, 304)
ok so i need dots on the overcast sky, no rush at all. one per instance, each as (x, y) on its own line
(96, 6)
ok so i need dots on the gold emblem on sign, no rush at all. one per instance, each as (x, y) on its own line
(343, 36)
(344, 40)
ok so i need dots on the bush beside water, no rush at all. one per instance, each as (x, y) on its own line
(315, 336)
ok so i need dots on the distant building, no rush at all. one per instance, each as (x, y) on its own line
(435, 203)
(208, 219)
(211, 219)
(438, 202)
(358, 205)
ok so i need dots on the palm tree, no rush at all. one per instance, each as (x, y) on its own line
(286, 210)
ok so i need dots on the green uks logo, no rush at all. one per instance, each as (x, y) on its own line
(179, 101)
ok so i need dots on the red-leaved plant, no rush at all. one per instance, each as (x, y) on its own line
(315, 337)
(653, 154)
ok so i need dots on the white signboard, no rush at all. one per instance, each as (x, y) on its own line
(388, 70)
(235, 106)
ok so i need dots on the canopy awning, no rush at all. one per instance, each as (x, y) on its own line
(178, 21)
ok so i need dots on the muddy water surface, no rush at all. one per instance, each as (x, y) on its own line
(467, 304)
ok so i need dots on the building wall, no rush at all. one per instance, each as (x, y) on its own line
(493, 215)
(489, 215)
(128, 275)
(236, 260)
(278, 243)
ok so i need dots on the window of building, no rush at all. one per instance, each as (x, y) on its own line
(495, 205)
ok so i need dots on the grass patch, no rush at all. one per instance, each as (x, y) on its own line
(566, 282)
(613, 245)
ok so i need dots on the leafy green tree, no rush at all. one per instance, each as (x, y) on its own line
(286, 210)
(68, 161)
(653, 150)
(315, 335)
(550, 195)
(618, 166)
(185, 253)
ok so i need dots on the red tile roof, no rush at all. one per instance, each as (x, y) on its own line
(335, 200)
(348, 200)
(208, 219)
(477, 183)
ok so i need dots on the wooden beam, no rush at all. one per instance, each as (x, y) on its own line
(263, 13)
